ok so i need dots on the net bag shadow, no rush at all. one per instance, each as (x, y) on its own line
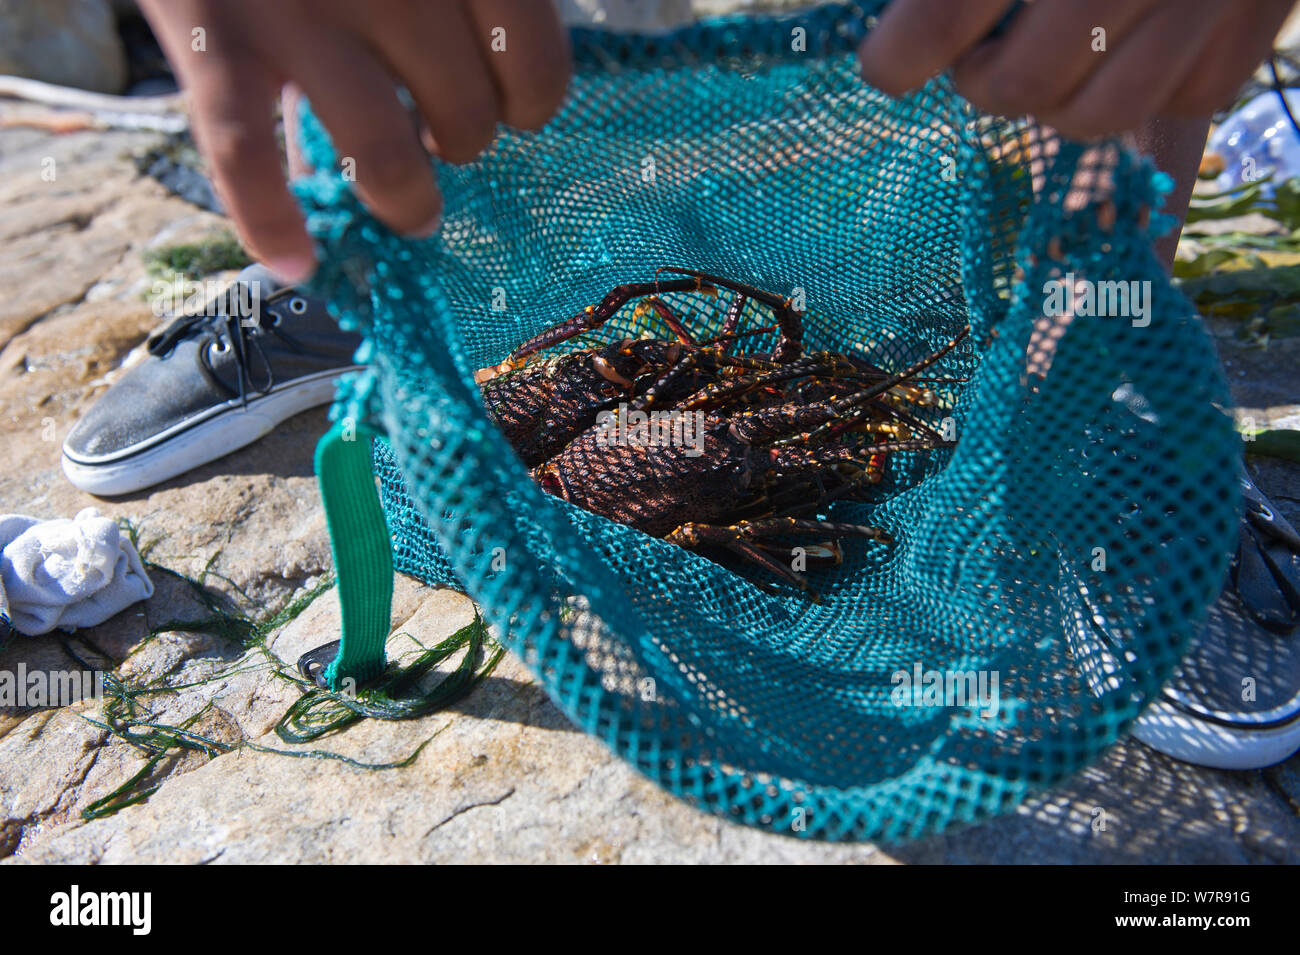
(1057, 559)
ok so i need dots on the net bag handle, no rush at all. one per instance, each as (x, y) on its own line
(363, 559)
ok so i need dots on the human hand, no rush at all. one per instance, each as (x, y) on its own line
(233, 57)
(1154, 57)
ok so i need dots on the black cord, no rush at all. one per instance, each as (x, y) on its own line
(1280, 89)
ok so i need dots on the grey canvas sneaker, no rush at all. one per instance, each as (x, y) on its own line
(1234, 701)
(211, 384)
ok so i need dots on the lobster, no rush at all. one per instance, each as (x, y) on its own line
(542, 404)
(758, 474)
(780, 435)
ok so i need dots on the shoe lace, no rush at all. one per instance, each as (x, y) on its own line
(227, 328)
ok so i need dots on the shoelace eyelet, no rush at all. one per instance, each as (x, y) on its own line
(297, 305)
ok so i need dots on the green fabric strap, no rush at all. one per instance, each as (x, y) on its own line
(363, 556)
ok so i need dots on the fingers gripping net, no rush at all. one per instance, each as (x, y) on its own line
(1065, 550)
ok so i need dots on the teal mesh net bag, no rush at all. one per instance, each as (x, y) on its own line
(1063, 552)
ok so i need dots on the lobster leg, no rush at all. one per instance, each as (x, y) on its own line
(720, 359)
(821, 364)
(918, 427)
(824, 553)
(721, 344)
(669, 318)
(794, 459)
(744, 539)
(790, 345)
(772, 526)
(593, 316)
(731, 321)
(692, 536)
(682, 367)
(717, 357)
(794, 422)
(841, 405)
(849, 485)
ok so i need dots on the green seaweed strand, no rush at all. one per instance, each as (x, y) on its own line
(126, 716)
(320, 711)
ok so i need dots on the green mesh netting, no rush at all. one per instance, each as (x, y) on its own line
(1070, 543)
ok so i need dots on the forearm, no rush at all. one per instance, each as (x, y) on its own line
(1176, 144)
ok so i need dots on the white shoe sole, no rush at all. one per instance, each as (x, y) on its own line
(218, 431)
(1176, 733)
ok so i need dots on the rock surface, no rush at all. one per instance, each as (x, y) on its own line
(68, 42)
(502, 775)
